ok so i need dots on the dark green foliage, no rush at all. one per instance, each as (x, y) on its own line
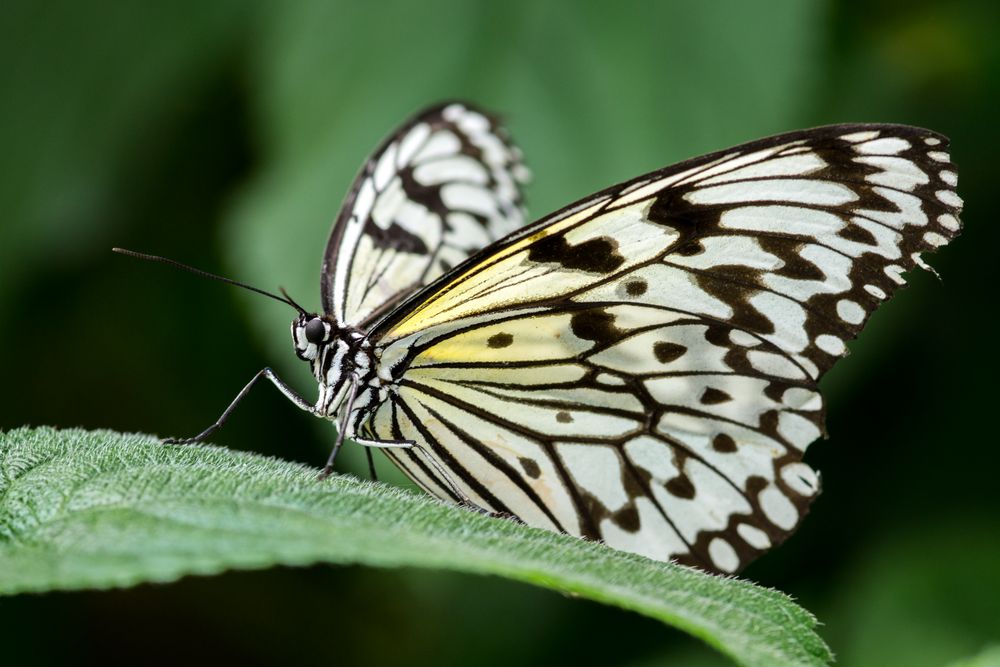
(224, 134)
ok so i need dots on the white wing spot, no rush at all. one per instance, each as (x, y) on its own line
(777, 365)
(440, 144)
(789, 165)
(778, 509)
(949, 222)
(895, 172)
(386, 167)
(949, 177)
(850, 311)
(474, 123)
(364, 200)
(932, 141)
(799, 398)
(798, 430)
(743, 339)
(389, 203)
(810, 367)
(414, 139)
(895, 273)
(453, 112)
(938, 156)
(458, 168)
(886, 146)
(723, 555)
(467, 197)
(855, 137)
(876, 291)
(800, 478)
(521, 173)
(804, 191)
(935, 239)
(949, 197)
(830, 344)
(754, 536)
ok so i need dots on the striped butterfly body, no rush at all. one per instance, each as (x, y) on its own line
(640, 367)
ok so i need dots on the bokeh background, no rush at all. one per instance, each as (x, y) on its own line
(225, 134)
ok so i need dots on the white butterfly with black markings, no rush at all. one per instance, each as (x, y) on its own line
(639, 367)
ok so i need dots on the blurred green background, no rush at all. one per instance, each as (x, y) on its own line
(225, 134)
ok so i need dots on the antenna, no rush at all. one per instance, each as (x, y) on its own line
(205, 274)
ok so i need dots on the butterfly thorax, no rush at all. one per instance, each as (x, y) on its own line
(340, 357)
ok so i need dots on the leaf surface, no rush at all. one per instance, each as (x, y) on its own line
(96, 509)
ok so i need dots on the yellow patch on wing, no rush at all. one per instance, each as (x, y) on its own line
(509, 279)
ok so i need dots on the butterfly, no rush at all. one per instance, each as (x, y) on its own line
(639, 367)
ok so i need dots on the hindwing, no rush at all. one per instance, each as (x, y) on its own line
(440, 188)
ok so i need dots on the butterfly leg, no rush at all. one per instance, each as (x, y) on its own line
(275, 380)
(341, 431)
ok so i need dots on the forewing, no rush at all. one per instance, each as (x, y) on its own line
(443, 186)
(641, 367)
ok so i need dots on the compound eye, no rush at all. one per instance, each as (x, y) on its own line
(315, 331)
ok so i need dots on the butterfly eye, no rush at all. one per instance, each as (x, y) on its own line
(315, 331)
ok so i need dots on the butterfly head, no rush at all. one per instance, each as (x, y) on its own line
(335, 353)
(310, 333)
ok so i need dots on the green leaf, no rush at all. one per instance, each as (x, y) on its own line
(96, 509)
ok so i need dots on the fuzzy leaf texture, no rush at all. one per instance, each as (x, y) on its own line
(97, 509)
